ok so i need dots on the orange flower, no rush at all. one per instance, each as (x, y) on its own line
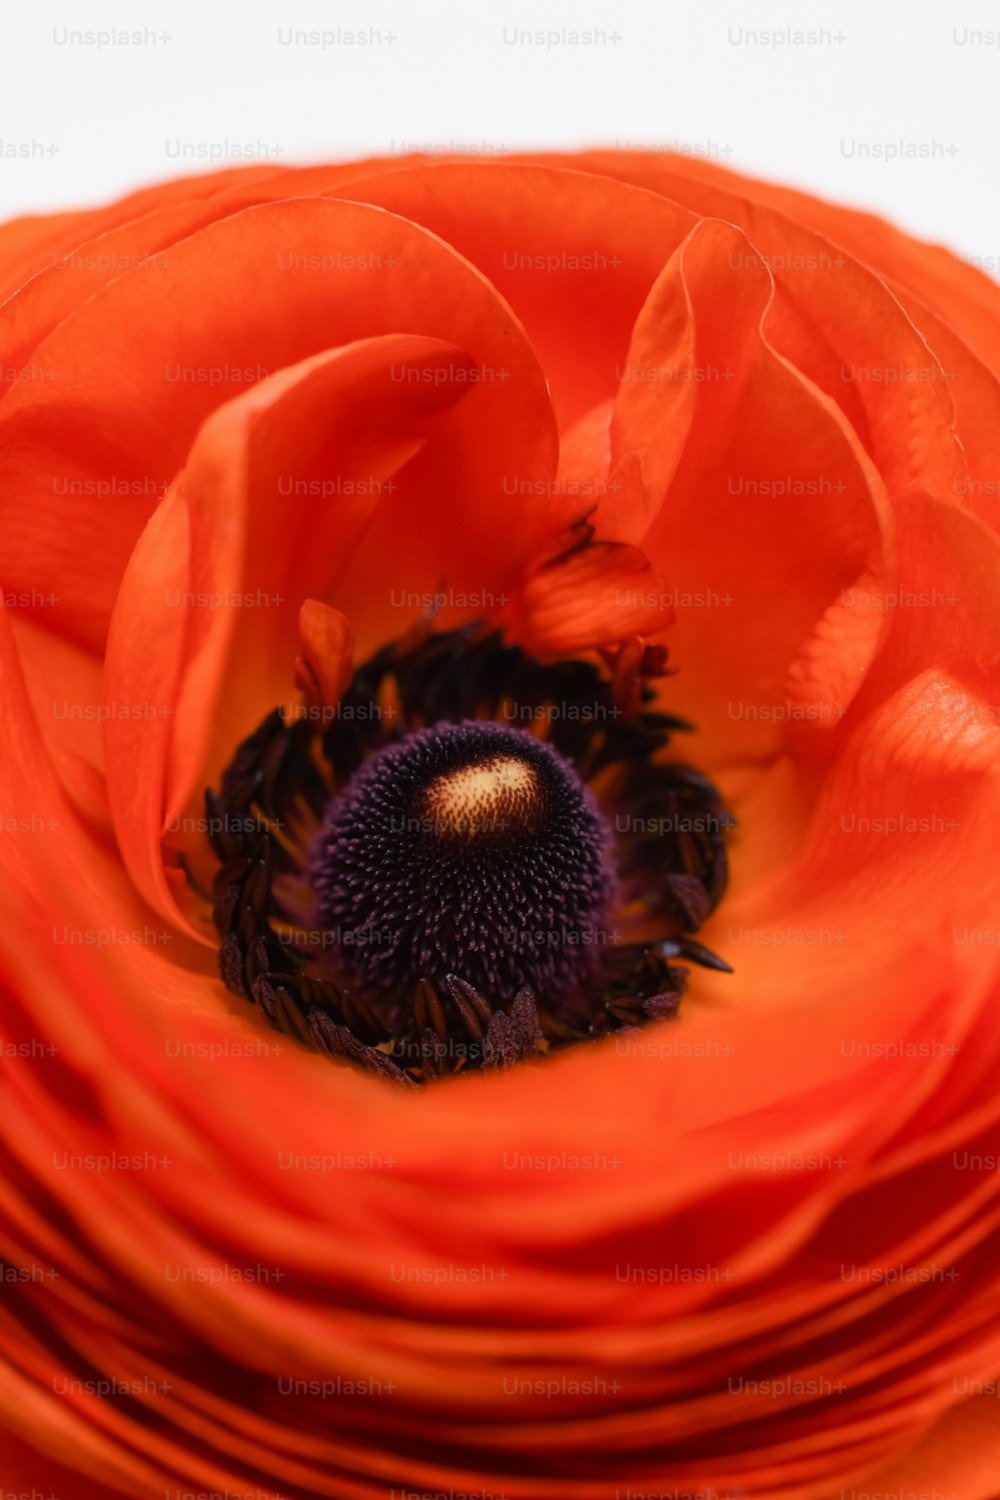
(749, 1251)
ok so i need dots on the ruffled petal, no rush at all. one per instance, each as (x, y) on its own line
(290, 493)
(238, 300)
(772, 509)
(551, 241)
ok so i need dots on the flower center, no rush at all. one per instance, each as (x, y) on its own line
(469, 849)
(409, 883)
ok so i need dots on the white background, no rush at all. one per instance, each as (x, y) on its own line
(100, 120)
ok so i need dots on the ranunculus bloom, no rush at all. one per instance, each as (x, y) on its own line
(752, 1251)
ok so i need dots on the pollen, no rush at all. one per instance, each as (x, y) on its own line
(480, 801)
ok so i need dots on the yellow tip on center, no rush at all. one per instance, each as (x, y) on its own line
(483, 799)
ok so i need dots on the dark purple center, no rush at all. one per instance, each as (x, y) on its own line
(471, 849)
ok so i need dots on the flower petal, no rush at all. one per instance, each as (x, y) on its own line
(239, 300)
(206, 627)
(551, 241)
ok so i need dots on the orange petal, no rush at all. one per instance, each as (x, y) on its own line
(772, 510)
(595, 597)
(240, 307)
(551, 241)
(325, 667)
(205, 628)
